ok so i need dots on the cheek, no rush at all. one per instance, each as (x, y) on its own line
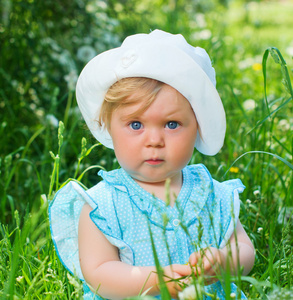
(124, 149)
(181, 153)
(185, 147)
(121, 157)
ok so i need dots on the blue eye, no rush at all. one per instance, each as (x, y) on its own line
(172, 125)
(135, 125)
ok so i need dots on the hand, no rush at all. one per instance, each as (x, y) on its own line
(208, 263)
(175, 271)
(238, 255)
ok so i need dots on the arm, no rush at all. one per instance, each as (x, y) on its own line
(239, 252)
(103, 270)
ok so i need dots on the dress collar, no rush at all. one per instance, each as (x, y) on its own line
(192, 197)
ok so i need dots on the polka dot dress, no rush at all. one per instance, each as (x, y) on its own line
(205, 214)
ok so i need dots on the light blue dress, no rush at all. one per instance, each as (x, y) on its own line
(205, 214)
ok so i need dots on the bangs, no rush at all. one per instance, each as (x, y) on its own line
(127, 92)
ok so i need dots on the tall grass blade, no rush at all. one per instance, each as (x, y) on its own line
(261, 152)
(278, 58)
(162, 284)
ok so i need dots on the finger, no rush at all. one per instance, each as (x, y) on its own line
(210, 259)
(182, 270)
(194, 257)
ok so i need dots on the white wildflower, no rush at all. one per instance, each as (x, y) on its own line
(52, 120)
(256, 193)
(71, 80)
(14, 83)
(202, 35)
(19, 279)
(246, 63)
(86, 53)
(42, 74)
(284, 124)
(20, 89)
(102, 4)
(188, 293)
(64, 58)
(236, 91)
(233, 295)
(200, 20)
(249, 104)
(32, 106)
(259, 229)
(248, 201)
(40, 112)
(192, 292)
(90, 7)
(103, 162)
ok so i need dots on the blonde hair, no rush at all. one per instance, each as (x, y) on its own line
(126, 92)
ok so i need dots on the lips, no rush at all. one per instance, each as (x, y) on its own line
(154, 161)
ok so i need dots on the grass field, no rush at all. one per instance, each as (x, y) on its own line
(251, 46)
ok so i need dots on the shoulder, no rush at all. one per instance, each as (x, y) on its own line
(111, 181)
(199, 172)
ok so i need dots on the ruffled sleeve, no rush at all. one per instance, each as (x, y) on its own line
(64, 213)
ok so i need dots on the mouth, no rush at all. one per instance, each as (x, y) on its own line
(154, 161)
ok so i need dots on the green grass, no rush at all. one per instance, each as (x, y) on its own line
(258, 147)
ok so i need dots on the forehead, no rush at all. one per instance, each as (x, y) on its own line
(167, 101)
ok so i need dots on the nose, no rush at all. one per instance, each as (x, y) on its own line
(155, 138)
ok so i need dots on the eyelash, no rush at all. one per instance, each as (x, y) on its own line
(133, 125)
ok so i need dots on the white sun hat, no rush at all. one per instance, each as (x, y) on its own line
(165, 57)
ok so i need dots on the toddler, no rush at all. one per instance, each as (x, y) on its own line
(152, 100)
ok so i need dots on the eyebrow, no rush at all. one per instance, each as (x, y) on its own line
(129, 117)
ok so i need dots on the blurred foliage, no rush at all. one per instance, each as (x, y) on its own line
(44, 45)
